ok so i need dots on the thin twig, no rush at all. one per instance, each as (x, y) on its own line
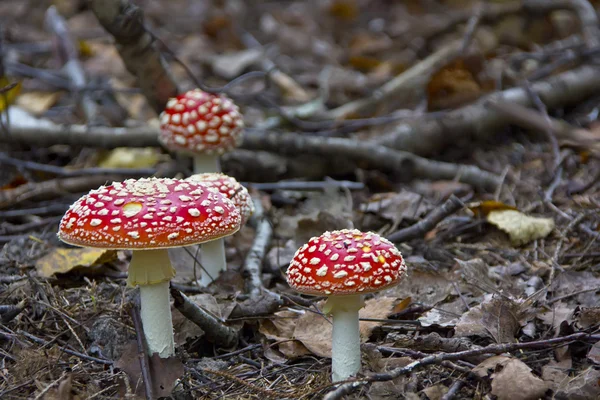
(142, 353)
(449, 207)
(216, 331)
(305, 185)
(349, 386)
(453, 391)
(472, 25)
(65, 350)
(72, 67)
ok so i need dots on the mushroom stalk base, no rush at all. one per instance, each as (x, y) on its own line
(206, 163)
(345, 344)
(213, 261)
(156, 319)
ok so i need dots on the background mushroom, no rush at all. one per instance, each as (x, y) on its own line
(202, 124)
(343, 265)
(213, 252)
(149, 216)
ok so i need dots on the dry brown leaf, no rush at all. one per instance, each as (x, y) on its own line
(346, 10)
(164, 372)
(397, 206)
(587, 317)
(281, 329)
(435, 392)
(594, 353)
(424, 287)
(452, 86)
(496, 317)
(556, 373)
(403, 305)
(314, 330)
(559, 313)
(584, 386)
(521, 228)
(511, 379)
(62, 392)
(588, 284)
(60, 261)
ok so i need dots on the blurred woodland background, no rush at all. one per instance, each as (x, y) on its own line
(465, 131)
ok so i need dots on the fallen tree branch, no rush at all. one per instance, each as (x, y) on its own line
(351, 385)
(402, 163)
(449, 207)
(428, 135)
(125, 21)
(285, 83)
(65, 172)
(215, 330)
(478, 121)
(53, 188)
(530, 119)
(256, 254)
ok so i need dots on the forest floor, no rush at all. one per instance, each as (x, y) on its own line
(466, 132)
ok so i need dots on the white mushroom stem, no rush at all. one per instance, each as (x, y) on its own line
(213, 261)
(152, 271)
(206, 163)
(345, 343)
(213, 253)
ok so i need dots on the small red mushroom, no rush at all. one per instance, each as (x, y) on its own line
(149, 216)
(343, 265)
(214, 252)
(202, 124)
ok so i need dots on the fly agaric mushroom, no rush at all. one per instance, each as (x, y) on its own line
(149, 216)
(213, 253)
(344, 265)
(202, 124)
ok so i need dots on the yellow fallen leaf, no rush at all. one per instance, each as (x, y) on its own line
(60, 261)
(85, 50)
(128, 157)
(37, 103)
(483, 208)
(520, 228)
(8, 97)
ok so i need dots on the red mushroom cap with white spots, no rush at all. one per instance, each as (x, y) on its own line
(345, 262)
(200, 122)
(149, 213)
(229, 187)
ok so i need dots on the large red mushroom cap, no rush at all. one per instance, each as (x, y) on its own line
(345, 262)
(149, 213)
(229, 187)
(200, 122)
